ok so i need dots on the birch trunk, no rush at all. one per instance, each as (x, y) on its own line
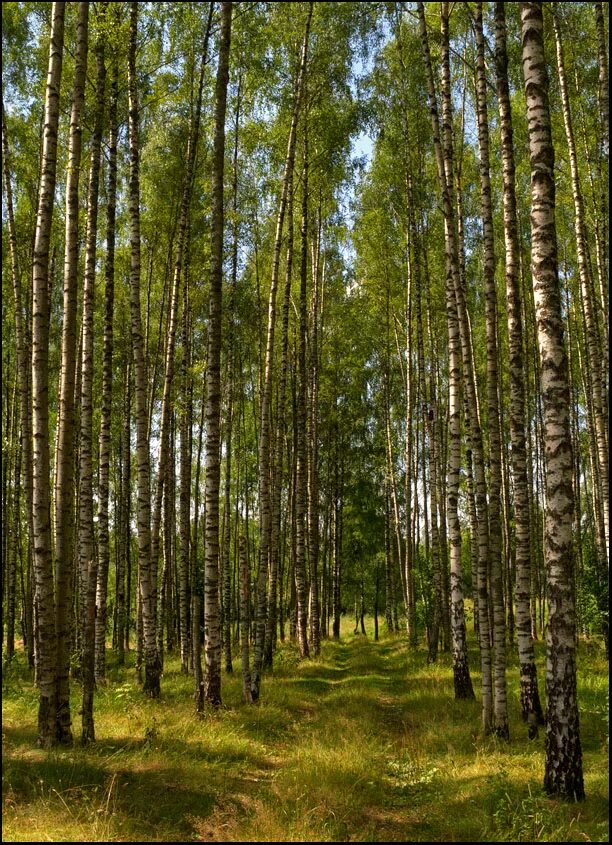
(65, 480)
(313, 453)
(602, 58)
(336, 540)
(604, 103)
(212, 621)
(227, 533)
(408, 441)
(244, 619)
(472, 406)
(183, 217)
(23, 352)
(194, 569)
(123, 560)
(413, 268)
(530, 700)
(107, 388)
(87, 558)
(445, 177)
(265, 506)
(147, 584)
(280, 438)
(500, 699)
(563, 768)
(186, 421)
(301, 504)
(592, 330)
(436, 610)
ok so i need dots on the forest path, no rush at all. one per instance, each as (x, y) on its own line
(364, 743)
(344, 760)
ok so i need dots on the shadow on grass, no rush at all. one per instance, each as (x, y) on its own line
(364, 742)
(136, 804)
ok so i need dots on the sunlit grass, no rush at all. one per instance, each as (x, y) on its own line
(364, 743)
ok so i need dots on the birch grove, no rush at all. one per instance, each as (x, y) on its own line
(305, 313)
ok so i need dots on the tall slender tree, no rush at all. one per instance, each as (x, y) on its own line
(66, 428)
(313, 448)
(453, 297)
(275, 533)
(227, 530)
(107, 388)
(500, 700)
(563, 769)
(244, 618)
(592, 329)
(87, 557)
(301, 496)
(265, 503)
(23, 356)
(530, 700)
(212, 626)
(147, 586)
(181, 238)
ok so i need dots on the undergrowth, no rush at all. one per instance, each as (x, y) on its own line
(364, 743)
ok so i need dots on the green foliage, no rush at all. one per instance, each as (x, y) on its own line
(525, 820)
(592, 606)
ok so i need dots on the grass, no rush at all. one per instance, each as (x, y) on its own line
(364, 743)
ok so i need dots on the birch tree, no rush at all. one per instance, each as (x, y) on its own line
(87, 557)
(563, 769)
(66, 429)
(530, 702)
(212, 623)
(147, 587)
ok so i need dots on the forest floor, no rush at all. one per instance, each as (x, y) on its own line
(364, 743)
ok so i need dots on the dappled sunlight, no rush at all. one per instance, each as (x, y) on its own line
(305, 453)
(365, 743)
